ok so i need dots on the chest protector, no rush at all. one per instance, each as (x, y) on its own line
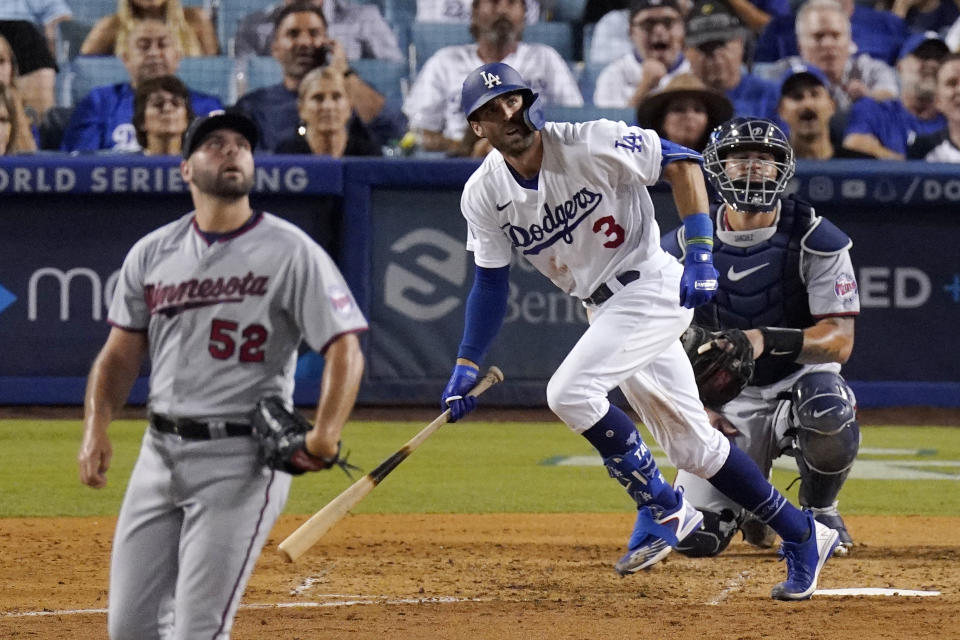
(761, 284)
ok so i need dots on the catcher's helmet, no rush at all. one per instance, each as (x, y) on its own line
(488, 81)
(748, 134)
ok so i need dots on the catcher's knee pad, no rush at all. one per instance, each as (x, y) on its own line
(714, 535)
(824, 414)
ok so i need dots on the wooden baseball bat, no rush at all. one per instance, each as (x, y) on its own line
(307, 534)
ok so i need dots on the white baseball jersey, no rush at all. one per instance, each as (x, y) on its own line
(225, 319)
(434, 100)
(590, 216)
(618, 81)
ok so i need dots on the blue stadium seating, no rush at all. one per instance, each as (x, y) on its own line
(587, 80)
(429, 37)
(87, 72)
(90, 11)
(385, 76)
(389, 78)
(215, 75)
(588, 112)
(261, 71)
(211, 74)
(568, 10)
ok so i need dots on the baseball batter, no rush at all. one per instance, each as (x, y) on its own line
(786, 279)
(572, 198)
(220, 299)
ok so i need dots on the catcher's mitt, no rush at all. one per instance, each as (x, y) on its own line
(282, 436)
(722, 363)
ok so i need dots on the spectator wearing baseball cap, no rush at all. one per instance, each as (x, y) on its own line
(948, 102)
(657, 32)
(808, 113)
(715, 48)
(685, 111)
(889, 129)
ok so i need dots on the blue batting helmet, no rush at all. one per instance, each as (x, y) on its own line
(488, 81)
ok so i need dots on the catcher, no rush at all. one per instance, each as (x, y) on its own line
(767, 349)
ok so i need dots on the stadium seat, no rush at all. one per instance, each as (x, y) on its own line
(70, 36)
(400, 15)
(568, 10)
(87, 72)
(430, 37)
(387, 77)
(558, 35)
(90, 11)
(587, 79)
(215, 75)
(228, 16)
(257, 72)
(586, 113)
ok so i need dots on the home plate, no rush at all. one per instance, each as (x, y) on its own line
(873, 591)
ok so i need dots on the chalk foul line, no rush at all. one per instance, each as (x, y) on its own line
(347, 601)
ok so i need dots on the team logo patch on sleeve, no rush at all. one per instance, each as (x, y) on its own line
(340, 300)
(845, 286)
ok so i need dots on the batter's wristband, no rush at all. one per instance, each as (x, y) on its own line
(698, 229)
(781, 344)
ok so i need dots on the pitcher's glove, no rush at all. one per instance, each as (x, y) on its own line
(722, 363)
(282, 437)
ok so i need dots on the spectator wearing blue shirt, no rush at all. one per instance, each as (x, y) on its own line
(715, 49)
(300, 44)
(879, 34)
(104, 118)
(889, 129)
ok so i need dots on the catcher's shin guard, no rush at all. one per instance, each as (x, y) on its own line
(827, 441)
(712, 538)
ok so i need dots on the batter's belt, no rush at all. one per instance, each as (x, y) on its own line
(603, 292)
(196, 430)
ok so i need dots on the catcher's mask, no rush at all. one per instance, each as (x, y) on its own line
(488, 81)
(750, 193)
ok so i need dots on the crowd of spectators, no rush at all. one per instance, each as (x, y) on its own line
(844, 78)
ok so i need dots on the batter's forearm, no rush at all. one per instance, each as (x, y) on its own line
(342, 372)
(689, 189)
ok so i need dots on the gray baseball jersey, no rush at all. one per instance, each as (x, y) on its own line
(225, 319)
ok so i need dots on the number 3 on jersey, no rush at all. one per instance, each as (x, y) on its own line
(222, 343)
(608, 226)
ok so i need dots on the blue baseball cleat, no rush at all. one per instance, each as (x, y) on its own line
(804, 561)
(656, 532)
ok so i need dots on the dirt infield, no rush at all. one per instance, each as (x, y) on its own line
(505, 576)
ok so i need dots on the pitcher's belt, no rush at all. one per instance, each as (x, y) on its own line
(197, 430)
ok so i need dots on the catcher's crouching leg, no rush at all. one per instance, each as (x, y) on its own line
(713, 536)
(826, 444)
